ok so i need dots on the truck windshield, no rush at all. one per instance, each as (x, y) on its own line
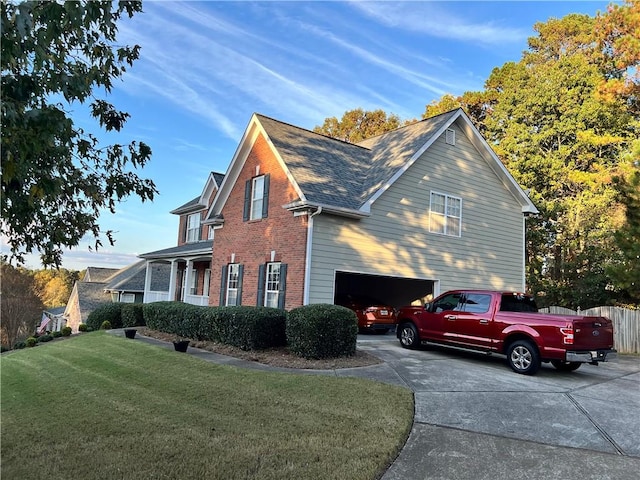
(517, 303)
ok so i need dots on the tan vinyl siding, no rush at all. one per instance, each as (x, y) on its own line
(395, 240)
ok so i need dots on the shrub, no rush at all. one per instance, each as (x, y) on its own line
(30, 342)
(131, 315)
(111, 312)
(322, 331)
(56, 334)
(106, 325)
(66, 331)
(164, 316)
(83, 327)
(19, 345)
(44, 338)
(254, 328)
(3, 348)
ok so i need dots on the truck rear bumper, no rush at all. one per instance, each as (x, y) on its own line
(593, 356)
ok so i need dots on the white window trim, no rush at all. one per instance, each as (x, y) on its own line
(445, 215)
(193, 288)
(232, 269)
(193, 231)
(255, 212)
(271, 294)
(206, 284)
(127, 298)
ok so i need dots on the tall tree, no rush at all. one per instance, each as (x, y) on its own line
(625, 274)
(54, 286)
(56, 178)
(356, 125)
(20, 307)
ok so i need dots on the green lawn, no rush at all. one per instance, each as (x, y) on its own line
(101, 407)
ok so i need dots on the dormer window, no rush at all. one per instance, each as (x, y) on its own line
(193, 228)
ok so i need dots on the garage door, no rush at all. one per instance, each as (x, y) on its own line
(393, 291)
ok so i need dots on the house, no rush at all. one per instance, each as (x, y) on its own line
(189, 263)
(300, 218)
(52, 320)
(103, 285)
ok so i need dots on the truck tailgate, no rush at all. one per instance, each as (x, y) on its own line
(592, 333)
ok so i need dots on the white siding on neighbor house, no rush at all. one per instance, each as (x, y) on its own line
(395, 240)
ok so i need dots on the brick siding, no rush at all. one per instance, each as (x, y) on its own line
(252, 242)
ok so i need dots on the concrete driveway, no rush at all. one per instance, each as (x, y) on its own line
(476, 419)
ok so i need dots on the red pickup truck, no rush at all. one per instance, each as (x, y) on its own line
(508, 323)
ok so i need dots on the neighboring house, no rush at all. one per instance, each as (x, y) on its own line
(189, 262)
(52, 320)
(301, 218)
(103, 285)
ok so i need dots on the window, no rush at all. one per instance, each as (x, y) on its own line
(477, 303)
(257, 194)
(193, 228)
(193, 278)
(452, 301)
(256, 198)
(206, 283)
(233, 277)
(445, 214)
(273, 285)
(127, 297)
(272, 279)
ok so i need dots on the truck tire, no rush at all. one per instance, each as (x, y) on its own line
(408, 335)
(565, 366)
(523, 357)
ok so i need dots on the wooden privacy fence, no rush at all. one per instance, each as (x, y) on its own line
(626, 324)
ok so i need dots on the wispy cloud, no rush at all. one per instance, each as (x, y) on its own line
(430, 18)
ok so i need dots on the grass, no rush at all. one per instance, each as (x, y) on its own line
(103, 407)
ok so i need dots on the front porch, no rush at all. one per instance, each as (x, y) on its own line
(179, 274)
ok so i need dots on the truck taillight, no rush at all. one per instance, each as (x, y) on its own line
(567, 335)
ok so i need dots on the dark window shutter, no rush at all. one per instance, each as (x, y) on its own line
(240, 271)
(223, 285)
(247, 201)
(186, 227)
(262, 271)
(265, 197)
(283, 285)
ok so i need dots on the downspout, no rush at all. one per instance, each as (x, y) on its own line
(307, 260)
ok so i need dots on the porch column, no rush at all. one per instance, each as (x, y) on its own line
(187, 279)
(172, 280)
(147, 282)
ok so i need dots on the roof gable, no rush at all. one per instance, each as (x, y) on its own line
(346, 178)
(203, 201)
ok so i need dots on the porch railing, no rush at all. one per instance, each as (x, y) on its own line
(150, 297)
(201, 300)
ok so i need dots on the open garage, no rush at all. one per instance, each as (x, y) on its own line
(393, 291)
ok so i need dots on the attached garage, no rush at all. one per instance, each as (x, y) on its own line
(393, 291)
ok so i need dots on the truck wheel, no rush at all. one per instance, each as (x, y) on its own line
(409, 336)
(565, 366)
(523, 357)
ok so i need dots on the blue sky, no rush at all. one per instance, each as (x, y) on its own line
(205, 67)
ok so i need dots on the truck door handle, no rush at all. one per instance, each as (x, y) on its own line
(450, 317)
(484, 321)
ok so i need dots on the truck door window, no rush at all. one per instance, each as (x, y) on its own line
(452, 301)
(477, 303)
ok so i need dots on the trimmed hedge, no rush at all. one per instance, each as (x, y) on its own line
(66, 331)
(249, 328)
(107, 312)
(131, 315)
(322, 331)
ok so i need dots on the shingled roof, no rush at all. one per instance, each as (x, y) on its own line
(345, 175)
(347, 178)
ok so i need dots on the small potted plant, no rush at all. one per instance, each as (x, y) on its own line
(130, 332)
(180, 344)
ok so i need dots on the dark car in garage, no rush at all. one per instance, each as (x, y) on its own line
(373, 315)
